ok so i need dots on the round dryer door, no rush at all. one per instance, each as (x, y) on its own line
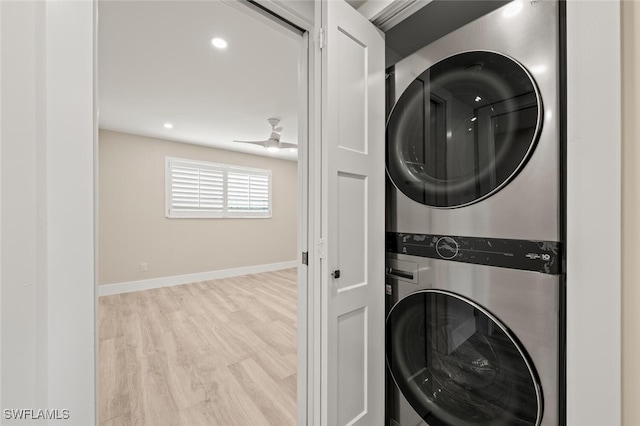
(457, 365)
(463, 129)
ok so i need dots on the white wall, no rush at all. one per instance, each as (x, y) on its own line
(22, 258)
(70, 155)
(631, 213)
(593, 213)
(46, 258)
(133, 227)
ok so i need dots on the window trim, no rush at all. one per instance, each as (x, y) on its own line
(171, 213)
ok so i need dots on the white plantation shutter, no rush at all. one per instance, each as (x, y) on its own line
(212, 190)
(248, 192)
(198, 189)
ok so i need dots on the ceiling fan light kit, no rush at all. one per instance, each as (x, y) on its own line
(273, 144)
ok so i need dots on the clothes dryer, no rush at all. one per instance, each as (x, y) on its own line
(473, 140)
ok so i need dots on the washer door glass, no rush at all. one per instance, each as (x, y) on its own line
(463, 129)
(457, 365)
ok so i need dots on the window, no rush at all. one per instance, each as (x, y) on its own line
(199, 189)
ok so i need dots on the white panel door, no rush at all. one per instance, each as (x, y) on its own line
(353, 222)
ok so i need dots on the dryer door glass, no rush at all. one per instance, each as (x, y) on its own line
(462, 129)
(457, 365)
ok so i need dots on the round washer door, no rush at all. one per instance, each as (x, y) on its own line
(463, 129)
(457, 365)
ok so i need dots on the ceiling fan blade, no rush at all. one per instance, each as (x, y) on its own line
(253, 142)
(273, 143)
(284, 145)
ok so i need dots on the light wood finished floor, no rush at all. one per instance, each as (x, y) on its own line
(212, 353)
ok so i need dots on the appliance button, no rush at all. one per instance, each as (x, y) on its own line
(447, 247)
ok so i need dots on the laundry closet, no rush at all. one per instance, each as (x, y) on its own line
(475, 217)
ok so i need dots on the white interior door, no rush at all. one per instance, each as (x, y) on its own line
(353, 218)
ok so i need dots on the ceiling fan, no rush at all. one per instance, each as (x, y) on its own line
(273, 144)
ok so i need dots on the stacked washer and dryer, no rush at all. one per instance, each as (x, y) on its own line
(474, 330)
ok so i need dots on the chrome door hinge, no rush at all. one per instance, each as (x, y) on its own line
(321, 248)
(322, 37)
(305, 257)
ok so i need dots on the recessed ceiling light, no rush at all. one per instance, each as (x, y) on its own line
(168, 126)
(474, 118)
(478, 99)
(218, 42)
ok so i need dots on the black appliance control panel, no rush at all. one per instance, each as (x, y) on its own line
(528, 255)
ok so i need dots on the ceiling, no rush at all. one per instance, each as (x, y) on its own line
(156, 65)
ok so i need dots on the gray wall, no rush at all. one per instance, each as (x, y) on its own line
(133, 228)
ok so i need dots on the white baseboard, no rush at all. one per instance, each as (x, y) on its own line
(130, 286)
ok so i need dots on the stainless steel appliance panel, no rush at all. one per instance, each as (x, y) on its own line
(528, 206)
(526, 302)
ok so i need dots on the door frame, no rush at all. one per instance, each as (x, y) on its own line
(278, 15)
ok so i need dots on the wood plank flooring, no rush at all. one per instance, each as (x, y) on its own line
(219, 352)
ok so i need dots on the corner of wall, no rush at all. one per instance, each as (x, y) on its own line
(593, 213)
(630, 213)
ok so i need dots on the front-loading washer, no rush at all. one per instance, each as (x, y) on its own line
(473, 138)
(470, 344)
